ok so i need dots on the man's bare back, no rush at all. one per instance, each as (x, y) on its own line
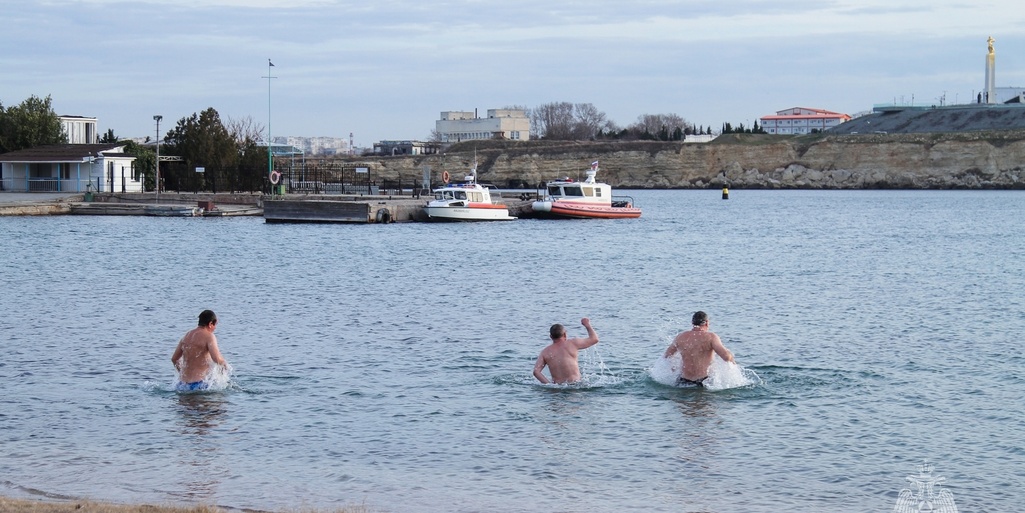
(197, 350)
(696, 348)
(561, 355)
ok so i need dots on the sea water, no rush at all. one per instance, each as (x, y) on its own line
(390, 365)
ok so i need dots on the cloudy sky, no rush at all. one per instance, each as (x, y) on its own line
(386, 69)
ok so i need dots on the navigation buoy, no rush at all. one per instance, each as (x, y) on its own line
(444, 176)
(275, 177)
(725, 193)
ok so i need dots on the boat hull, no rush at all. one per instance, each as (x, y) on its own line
(448, 213)
(570, 210)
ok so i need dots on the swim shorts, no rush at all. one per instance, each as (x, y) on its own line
(191, 387)
(689, 382)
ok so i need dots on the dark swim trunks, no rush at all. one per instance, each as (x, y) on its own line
(694, 383)
(191, 387)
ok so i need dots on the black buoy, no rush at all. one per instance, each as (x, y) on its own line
(725, 192)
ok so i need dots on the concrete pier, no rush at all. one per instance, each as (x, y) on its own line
(291, 208)
(362, 209)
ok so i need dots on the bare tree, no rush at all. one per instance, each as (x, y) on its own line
(552, 121)
(588, 121)
(244, 130)
(659, 125)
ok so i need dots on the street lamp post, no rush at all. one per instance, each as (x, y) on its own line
(157, 118)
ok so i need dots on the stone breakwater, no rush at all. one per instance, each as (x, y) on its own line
(977, 160)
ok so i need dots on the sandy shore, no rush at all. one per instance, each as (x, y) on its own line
(8, 505)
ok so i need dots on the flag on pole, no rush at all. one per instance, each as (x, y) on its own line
(269, 63)
(594, 165)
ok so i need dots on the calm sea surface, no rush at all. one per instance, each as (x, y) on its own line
(390, 365)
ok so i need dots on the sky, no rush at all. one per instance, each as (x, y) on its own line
(386, 69)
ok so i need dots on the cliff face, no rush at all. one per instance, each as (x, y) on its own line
(994, 160)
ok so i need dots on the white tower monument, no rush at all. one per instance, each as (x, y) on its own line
(991, 74)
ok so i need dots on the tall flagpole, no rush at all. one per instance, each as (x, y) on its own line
(270, 145)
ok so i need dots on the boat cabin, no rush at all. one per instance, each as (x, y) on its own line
(459, 194)
(580, 190)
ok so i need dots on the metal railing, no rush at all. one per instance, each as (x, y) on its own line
(50, 184)
(43, 185)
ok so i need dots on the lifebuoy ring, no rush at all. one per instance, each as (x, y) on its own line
(275, 177)
(444, 176)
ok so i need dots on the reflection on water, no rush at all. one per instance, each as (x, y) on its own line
(699, 440)
(199, 451)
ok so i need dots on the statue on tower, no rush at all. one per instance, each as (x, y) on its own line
(990, 41)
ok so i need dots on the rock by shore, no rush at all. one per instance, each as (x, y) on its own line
(958, 160)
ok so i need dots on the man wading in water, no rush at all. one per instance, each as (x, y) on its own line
(561, 355)
(195, 352)
(696, 347)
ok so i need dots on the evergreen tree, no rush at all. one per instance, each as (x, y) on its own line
(202, 141)
(145, 163)
(31, 123)
(109, 137)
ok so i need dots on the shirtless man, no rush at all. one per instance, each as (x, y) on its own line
(195, 351)
(696, 348)
(561, 355)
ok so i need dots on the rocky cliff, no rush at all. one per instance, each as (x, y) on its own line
(966, 160)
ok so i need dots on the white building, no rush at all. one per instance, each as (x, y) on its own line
(512, 124)
(80, 129)
(1009, 95)
(801, 120)
(70, 168)
(315, 145)
(394, 148)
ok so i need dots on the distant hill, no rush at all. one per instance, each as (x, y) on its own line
(956, 118)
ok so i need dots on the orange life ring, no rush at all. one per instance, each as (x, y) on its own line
(444, 176)
(275, 177)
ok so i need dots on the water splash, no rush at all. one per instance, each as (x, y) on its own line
(220, 376)
(217, 379)
(722, 375)
(594, 372)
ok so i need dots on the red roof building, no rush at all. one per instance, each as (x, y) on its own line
(801, 120)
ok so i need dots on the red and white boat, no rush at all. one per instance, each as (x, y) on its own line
(567, 198)
(467, 201)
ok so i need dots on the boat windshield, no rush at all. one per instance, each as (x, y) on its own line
(447, 195)
(572, 190)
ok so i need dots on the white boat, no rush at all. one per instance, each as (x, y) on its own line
(567, 198)
(467, 201)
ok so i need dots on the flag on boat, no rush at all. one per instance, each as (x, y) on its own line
(594, 165)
